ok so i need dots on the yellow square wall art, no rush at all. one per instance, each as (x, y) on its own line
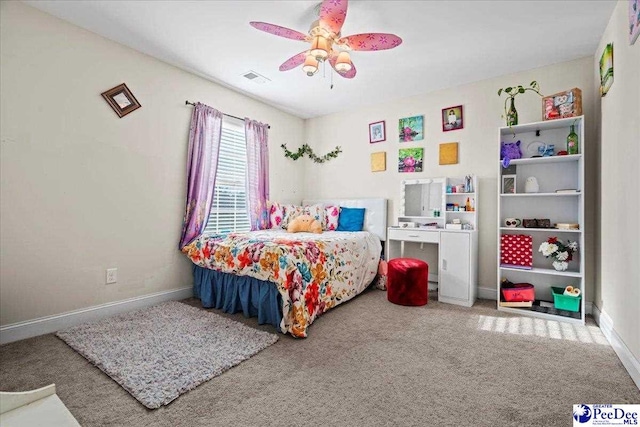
(449, 153)
(379, 161)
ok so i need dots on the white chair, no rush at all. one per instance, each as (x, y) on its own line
(41, 407)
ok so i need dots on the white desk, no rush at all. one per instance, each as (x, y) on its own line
(457, 259)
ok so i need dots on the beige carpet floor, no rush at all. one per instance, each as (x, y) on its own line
(365, 363)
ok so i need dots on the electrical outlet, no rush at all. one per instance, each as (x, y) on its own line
(112, 275)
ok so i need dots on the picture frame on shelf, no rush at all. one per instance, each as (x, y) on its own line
(377, 132)
(121, 100)
(452, 118)
(508, 184)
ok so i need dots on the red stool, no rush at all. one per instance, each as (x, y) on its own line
(408, 281)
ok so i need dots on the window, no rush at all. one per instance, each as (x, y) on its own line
(229, 206)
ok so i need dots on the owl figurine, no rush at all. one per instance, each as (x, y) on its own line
(531, 185)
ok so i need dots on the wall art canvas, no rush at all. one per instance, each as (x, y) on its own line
(452, 118)
(410, 159)
(411, 129)
(449, 153)
(634, 20)
(606, 69)
(379, 161)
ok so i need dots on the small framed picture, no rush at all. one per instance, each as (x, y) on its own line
(452, 118)
(508, 184)
(377, 132)
(121, 100)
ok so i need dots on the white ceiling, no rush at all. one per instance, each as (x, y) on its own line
(445, 43)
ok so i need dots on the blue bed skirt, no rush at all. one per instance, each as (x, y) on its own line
(232, 294)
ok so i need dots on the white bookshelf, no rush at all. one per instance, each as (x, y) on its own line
(552, 173)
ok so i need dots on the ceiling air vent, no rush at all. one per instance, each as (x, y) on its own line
(255, 77)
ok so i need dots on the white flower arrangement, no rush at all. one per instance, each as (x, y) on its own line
(562, 253)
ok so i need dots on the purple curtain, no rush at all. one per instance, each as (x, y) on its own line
(202, 164)
(257, 173)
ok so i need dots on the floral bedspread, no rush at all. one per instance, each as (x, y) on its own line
(313, 272)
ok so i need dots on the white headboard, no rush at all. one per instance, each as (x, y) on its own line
(375, 214)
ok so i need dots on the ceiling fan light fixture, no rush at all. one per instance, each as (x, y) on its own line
(343, 63)
(320, 48)
(310, 65)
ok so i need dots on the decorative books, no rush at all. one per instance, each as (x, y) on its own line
(516, 303)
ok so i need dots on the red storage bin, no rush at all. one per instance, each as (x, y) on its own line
(516, 251)
(519, 292)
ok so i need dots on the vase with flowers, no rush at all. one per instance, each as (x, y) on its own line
(561, 252)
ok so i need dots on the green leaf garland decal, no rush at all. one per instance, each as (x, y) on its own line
(305, 149)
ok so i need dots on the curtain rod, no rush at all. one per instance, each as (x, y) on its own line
(225, 114)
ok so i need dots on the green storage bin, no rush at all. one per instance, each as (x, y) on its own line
(563, 302)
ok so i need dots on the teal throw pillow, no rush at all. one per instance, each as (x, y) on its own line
(351, 219)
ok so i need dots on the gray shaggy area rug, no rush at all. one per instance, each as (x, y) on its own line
(160, 352)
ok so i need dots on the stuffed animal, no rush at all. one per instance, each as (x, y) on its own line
(304, 223)
(509, 151)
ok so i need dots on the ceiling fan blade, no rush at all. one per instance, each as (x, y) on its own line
(278, 30)
(333, 14)
(371, 41)
(294, 61)
(348, 74)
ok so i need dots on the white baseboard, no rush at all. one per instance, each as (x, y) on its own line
(627, 358)
(588, 307)
(48, 324)
(487, 293)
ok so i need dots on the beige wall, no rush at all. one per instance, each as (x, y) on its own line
(83, 190)
(349, 175)
(618, 255)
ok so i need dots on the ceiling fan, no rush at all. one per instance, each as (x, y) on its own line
(327, 42)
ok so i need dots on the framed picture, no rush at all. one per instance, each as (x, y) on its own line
(452, 118)
(411, 128)
(508, 184)
(377, 132)
(121, 100)
(634, 20)
(379, 161)
(410, 159)
(606, 69)
(449, 153)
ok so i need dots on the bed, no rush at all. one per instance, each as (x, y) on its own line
(285, 279)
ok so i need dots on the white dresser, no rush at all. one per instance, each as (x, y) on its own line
(425, 201)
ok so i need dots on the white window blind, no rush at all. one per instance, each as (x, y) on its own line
(229, 207)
